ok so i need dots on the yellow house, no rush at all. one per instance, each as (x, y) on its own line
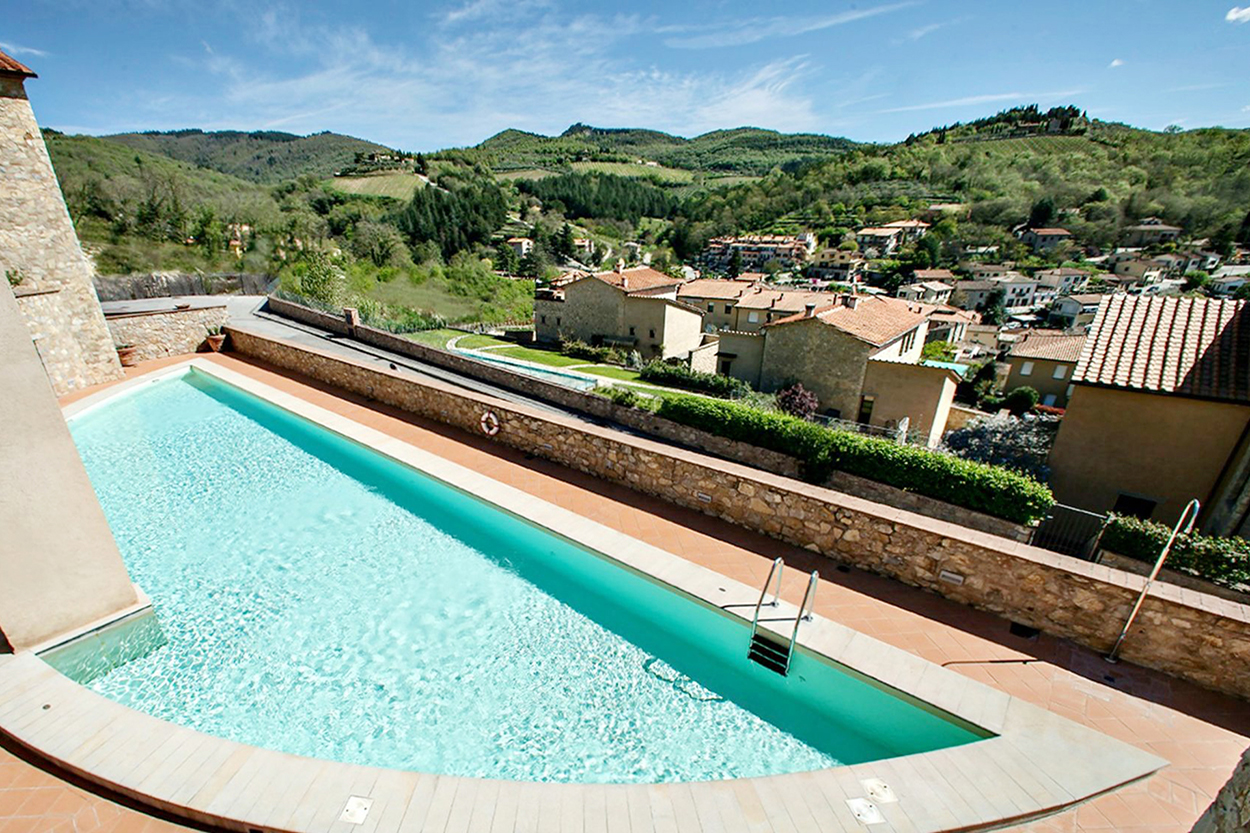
(715, 298)
(1160, 413)
(1045, 362)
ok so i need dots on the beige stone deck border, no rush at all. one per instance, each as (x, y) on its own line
(1037, 762)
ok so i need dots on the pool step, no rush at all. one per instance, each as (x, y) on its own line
(772, 655)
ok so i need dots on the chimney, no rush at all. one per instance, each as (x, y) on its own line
(624, 280)
(850, 301)
(620, 265)
(810, 310)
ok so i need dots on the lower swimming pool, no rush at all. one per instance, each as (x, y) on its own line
(321, 599)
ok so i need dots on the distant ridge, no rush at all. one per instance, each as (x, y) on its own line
(264, 156)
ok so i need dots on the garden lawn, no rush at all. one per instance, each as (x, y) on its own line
(537, 356)
(434, 338)
(474, 342)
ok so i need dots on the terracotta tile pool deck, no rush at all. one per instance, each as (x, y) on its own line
(1201, 733)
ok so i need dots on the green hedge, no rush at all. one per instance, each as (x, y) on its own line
(990, 489)
(681, 376)
(1223, 561)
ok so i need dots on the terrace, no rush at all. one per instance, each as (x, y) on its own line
(1201, 734)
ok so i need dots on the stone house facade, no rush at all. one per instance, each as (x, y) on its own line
(39, 252)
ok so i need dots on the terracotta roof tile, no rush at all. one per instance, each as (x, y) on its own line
(1064, 348)
(638, 278)
(1051, 231)
(934, 275)
(874, 319)
(1184, 346)
(712, 288)
(11, 66)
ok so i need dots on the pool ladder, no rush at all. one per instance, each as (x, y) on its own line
(765, 649)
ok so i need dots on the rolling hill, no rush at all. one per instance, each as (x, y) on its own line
(744, 151)
(262, 156)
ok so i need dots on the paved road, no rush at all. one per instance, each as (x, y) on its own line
(244, 313)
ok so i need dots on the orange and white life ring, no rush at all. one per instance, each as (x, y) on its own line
(490, 424)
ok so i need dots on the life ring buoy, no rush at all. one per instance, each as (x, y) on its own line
(490, 424)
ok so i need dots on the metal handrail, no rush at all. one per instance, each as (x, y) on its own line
(809, 595)
(776, 569)
(1167, 549)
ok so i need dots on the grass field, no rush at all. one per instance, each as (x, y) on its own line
(537, 356)
(676, 176)
(474, 342)
(608, 371)
(434, 338)
(524, 173)
(399, 185)
(428, 296)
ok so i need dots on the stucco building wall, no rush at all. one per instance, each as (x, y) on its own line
(1042, 379)
(59, 567)
(920, 393)
(745, 354)
(1164, 448)
(38, 244)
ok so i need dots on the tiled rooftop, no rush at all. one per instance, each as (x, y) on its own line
(1201, 733)
(727, 290)
(9, 65)
(872, 318)
(1184, 346)
(637, 278)
(1055, 348)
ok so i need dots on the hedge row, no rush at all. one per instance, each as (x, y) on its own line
(1223, 561)
(995, 491)
(681, 376)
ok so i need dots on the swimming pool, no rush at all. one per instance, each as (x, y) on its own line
(321, 599)
(567, 378)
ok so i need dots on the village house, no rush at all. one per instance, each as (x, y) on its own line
(950, 324)
(763, 305)
(912, 230)
(1142, 271)
(987, 271)
(1075, 311)
(859, 354)
(1045, 239)
(1149, 232)
(1055, 283)
(838, 265)
(1045, 362)
(928, 292)
(756, 251)
(1160, 413)
(1019, 291)
(716, 298)
(521, 245)
(634, 309)
(879, 242)
(972, 294)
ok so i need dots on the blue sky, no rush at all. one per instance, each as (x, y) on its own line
(426, 75)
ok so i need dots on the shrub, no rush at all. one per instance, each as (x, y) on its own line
(621, 396)
(797, 401)
(681, 376)
(1022, 443)
(1223, 561)
(1021, 400)
(983, 488)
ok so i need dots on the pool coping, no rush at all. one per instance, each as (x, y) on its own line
(1037, 763)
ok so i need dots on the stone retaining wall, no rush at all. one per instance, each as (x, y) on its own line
(165, 333)
(1230, 812)
(168, 284)
(1191, 635)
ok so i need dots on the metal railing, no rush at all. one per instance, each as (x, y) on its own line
(777, 568)
(1070, 531)
(805, 614)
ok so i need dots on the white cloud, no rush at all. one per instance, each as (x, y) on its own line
(968, 101)
(742, 32)
(14, 49)
(1116, 63)
(1238, 15)
(1246, 109)
(478, 9)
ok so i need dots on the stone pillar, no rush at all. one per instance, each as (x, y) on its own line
(39, 251)
(1230, 811)
(59, 566)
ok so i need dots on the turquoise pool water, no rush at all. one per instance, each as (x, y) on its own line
(320, 599)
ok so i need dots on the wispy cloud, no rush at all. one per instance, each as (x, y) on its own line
(479, 9)
(1238, 15)
(17, 49)
(1115, 64)
(1190, 88)
(742, 32)
(928, 29)
(971, 100)
(1246, 109)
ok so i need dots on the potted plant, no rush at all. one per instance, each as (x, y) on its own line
(215, 338)
(126, 355)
